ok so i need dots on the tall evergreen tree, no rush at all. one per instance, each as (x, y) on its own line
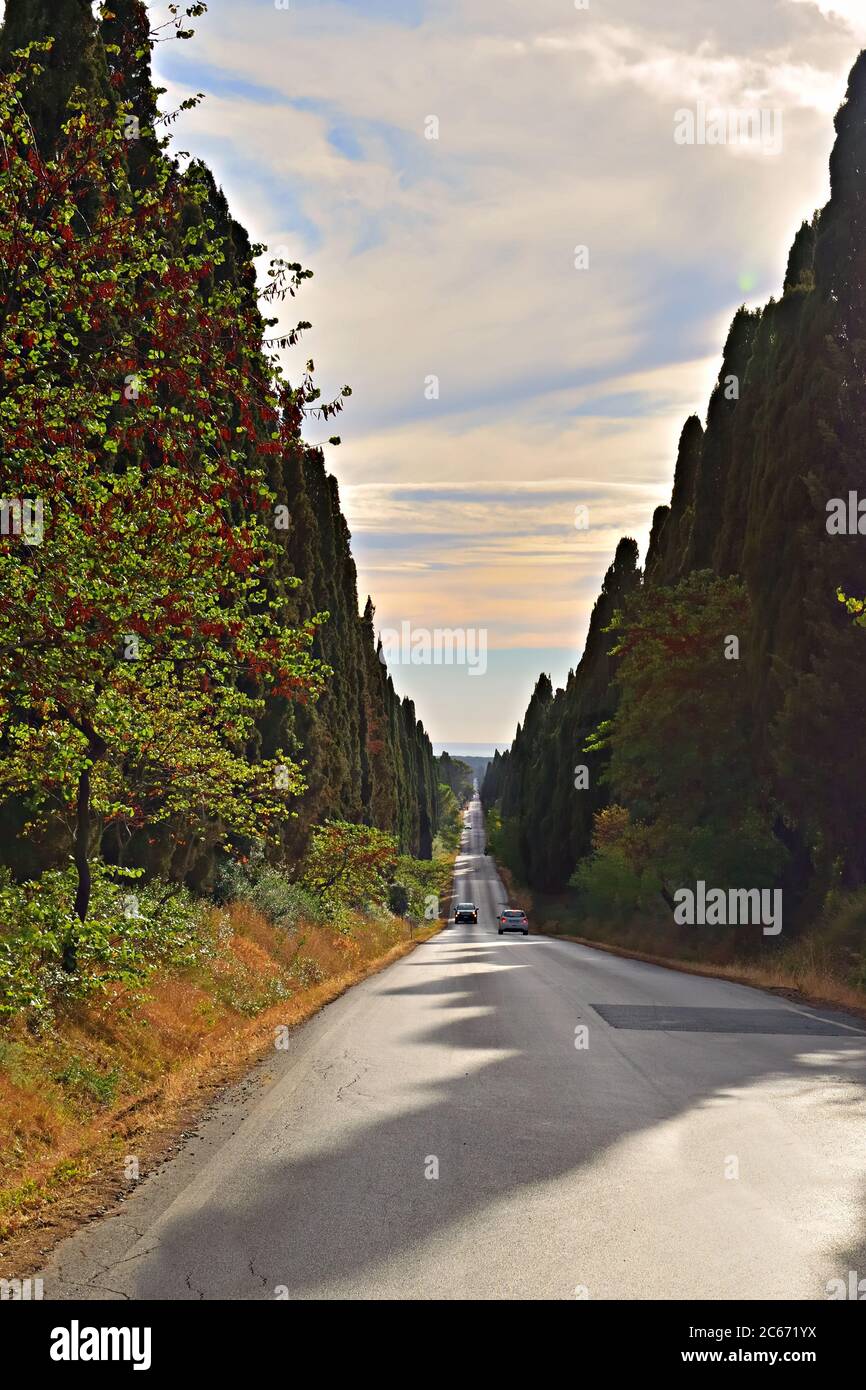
(76, 59)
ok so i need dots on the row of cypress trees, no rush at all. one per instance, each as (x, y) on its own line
(366, 756)
(754, 486)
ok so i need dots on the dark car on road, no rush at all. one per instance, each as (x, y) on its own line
(465, 912)
(513, 919)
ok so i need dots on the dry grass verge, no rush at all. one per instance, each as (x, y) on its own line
(128, 1074)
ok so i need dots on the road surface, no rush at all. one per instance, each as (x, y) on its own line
(437, 1133)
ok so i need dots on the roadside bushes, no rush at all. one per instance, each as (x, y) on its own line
(611, 890)
(130, 929)
(427, 883)
(503, 841)
(450, 819)
(352, 873)
(283, 902)
(133, 928)
(398, 899)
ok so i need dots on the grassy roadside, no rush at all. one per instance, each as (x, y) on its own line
(812, 970)
(91, 1104)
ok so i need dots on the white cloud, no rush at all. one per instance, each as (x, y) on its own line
(849, 13)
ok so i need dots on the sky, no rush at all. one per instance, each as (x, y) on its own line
(523, 275)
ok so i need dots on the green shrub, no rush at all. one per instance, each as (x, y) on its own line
(398, 899)
(84, 1082)
(283, 902)
(450, 819)
(250, 995)
(503, 841)
(427, 883)
(130, 929)
(610, 890)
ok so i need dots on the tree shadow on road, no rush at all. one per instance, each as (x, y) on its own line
(336, 1211)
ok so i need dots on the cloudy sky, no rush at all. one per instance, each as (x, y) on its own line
(563, 376)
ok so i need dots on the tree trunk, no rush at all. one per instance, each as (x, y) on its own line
(81, 851)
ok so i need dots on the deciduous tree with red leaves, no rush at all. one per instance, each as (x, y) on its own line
(139, 634)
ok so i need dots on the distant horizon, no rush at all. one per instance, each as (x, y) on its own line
(459, 749)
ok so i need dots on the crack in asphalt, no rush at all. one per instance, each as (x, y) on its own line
(348, 1085)
(256, 1275)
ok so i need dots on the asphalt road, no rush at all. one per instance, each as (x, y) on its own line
(707, 1142)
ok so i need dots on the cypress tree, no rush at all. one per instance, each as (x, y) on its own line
(76, 59)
